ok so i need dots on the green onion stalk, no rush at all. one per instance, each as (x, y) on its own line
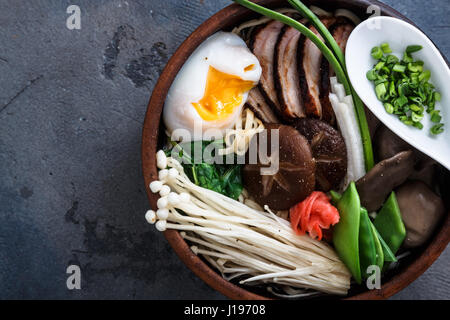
(334, 56)
(307, 13)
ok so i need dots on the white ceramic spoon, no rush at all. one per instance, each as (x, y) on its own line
(400, 34)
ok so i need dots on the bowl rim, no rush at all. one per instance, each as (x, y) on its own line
(150, 137)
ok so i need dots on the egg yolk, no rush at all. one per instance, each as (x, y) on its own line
(223, 93)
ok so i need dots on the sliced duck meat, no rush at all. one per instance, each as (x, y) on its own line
(286, 74)
(260, 108)
(263, 42)
(310, 59)
(340, 30)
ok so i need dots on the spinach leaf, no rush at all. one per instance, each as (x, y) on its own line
(222, 178)
(232, 182)
(208, 177)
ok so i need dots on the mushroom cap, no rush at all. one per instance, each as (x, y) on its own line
(378, 183)
(329, 151)
(421, 210)
(387, 144)
(293, 181)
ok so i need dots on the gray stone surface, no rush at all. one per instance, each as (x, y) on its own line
(72, 103)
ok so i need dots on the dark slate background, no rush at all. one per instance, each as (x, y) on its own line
(72, 103)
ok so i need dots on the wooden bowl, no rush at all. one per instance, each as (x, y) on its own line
(224, 20)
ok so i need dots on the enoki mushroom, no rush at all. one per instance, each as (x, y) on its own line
(252, 246)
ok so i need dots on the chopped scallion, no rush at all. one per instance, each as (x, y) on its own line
(418, 125)
(435, 116)
(385, 47)
(436, 129)
(399, 68)
(380, 90)
(416, 117)
(376, 53)
(403, 87)
(425, 76)
(389, 108)
(413, 48)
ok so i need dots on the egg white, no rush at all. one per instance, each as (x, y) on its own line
(224, 51)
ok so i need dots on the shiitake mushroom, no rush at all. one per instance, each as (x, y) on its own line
(329, 151)
(421, 210)
(293, 181)
(387, 144)
(375, 185)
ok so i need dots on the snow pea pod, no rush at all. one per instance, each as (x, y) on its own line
(346, 232)
(389, 224)
(389, 256)
(380, 255)
(367, 248)
(335, 196)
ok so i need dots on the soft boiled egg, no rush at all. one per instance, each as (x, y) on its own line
(211, 88)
